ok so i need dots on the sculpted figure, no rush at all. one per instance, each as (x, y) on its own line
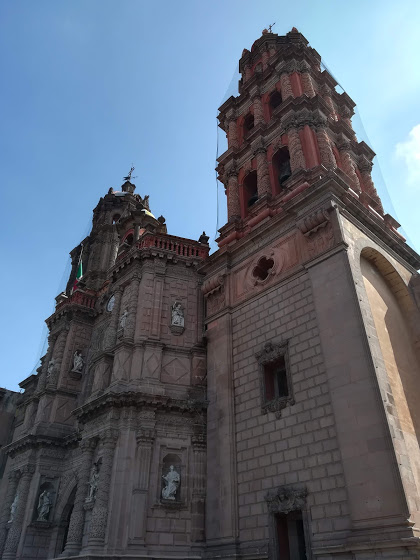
(50, 367)
(13, 508)
(172, 480)
(177, 314)
(44, 505)
(123, 319)
(93, 482)
(78, 361)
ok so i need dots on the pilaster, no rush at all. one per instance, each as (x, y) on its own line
(5, 519)
(15, 530)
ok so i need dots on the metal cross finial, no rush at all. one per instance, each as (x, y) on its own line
(270, 27)
(129, 176)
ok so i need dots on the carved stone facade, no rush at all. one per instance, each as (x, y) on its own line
(260, 402)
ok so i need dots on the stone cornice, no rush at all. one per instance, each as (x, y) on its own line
(38, 441)
(138, 400)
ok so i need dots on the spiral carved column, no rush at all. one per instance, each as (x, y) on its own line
(8, 500)
(100, 510)
(286, 86)
(258, 109)
(297, 158)
(234, 206)
(325, 150)
(15, 531)
(263, 177)
(307, 85)
(365, 171)
(232, 133)
(77, 519)
(349, 167)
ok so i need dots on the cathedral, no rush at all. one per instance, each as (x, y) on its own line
(260, 402)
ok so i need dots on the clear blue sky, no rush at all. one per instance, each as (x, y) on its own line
(91, 86)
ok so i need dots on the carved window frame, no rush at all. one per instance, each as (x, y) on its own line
(271, 353)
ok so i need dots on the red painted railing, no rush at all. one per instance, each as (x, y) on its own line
(79, 298)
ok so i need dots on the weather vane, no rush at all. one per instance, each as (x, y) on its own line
(270, 27)
(129, 176)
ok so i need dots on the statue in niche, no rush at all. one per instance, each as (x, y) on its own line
(50, 368)
(177, 318)
(78, 362)
(172, 480)
(13, 508)
(123, 319)
(93, 482)
(44, 505)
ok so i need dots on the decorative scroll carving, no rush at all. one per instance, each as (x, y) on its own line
(318, 231)
(286, 499)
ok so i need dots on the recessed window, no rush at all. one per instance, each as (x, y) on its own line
(276, 388)
(248, 123)
(275, 379)
(275, 100)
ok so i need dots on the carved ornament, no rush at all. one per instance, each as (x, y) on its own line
(286, 499)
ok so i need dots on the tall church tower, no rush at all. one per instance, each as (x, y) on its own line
(108, 454)
(312, 327)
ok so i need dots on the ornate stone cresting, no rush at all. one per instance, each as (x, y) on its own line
(285, 499)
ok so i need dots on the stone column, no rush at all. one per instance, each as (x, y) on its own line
(297, 159)
(306, 80)
(348, 166)
(114, 249)
(199, 488)
(233, 202)
(111, 332)
(258, 109)
(132, 306)
(58, 355)
(15, 531)
(346, 115)
(263, 177)
(43, 377)
(75, 533)
(264, 59)
(365, 167)
(326, 95)
(286, 86)
(99, 518)
(232, 132)
(8, 500)
(325, 150)
(248, 72)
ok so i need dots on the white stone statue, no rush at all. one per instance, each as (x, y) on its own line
(13, 508)
(177, 314)
(172, 480)
(93, 482)
(50, 368)
(78, 362)
(44, 505)
(123, 319)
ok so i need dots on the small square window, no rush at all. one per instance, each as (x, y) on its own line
(275, 378)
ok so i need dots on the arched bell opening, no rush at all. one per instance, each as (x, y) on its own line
(274, 101)
(249, 191)
(282, 170)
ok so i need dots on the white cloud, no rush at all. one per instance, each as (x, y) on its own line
(409, 152)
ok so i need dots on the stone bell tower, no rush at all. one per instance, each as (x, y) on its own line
(108, 452)
(312, 327)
